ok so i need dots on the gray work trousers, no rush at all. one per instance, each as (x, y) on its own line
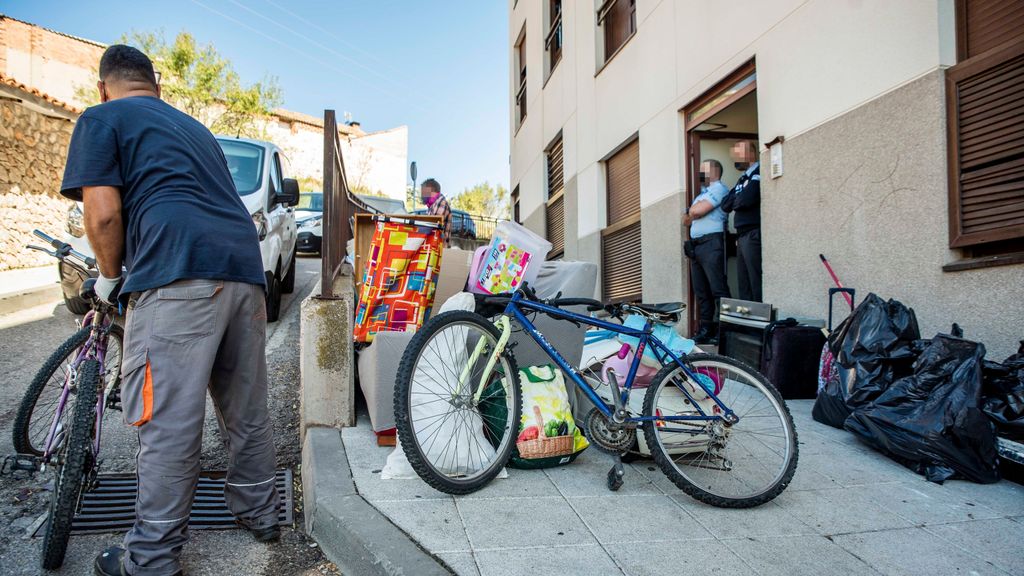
(180, 341)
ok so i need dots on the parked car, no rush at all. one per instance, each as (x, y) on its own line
(309, 216)
(257, 170)
(384, 204)
(463, 225)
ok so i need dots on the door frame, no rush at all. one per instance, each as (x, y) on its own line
(692, 137)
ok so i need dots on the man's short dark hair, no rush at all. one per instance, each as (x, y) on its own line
(716, 164)
(126, 64)
(431, 183)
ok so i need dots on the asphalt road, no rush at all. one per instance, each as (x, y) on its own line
(27, 337)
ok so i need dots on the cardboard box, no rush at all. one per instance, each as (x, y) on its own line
(455, 265)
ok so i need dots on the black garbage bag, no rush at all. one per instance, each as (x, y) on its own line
(873, 347)
(932, 420)
(1004, 395)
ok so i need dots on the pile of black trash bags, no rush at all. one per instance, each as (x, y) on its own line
(933, 405)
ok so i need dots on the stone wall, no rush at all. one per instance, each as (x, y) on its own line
(33, 149)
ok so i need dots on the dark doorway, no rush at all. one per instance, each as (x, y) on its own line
(723, 115)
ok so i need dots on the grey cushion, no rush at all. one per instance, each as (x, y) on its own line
(573, 280)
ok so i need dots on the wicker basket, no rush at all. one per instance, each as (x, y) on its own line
(544, 447)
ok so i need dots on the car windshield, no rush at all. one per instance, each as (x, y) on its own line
(312, 201)
(245, 161)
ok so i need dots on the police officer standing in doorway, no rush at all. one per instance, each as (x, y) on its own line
(706, 248)
(744, 200)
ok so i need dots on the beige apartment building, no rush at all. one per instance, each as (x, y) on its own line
(896, 130)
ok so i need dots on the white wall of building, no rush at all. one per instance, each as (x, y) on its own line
(375, 161)
(816, 59)
(378, 161)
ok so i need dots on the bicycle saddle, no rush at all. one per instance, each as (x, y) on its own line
(662, 308)
(669, 311)
(88, 290)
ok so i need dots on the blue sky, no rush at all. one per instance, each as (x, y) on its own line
(439, 67)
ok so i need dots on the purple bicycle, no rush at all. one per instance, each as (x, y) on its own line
(61, 416)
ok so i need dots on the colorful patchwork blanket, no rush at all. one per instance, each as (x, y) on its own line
(399, 279)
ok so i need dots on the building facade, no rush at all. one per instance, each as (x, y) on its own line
(896, 126)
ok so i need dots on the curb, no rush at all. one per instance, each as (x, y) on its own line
(30, 297)
(351, 532)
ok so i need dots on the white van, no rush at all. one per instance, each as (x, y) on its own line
(257, 168)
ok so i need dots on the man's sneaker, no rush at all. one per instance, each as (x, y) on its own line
(111, 563)
(268, 534)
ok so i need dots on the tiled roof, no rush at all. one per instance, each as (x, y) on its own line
(73, 37)
(292, 116)
(38, 94)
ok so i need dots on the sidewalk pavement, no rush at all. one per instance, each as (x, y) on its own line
(849, 510)
(26, 287)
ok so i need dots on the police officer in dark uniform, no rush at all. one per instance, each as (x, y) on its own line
(744, 200)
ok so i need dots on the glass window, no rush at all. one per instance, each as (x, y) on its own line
(275, 174)
(311, 201)
(245, 162)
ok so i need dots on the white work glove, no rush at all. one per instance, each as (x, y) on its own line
(108, 289)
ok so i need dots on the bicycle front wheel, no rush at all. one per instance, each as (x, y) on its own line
(736, 465)
(456, 443)
(75, 462)
(39, 404)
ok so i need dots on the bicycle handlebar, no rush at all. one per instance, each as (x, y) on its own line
(530, 294)
(62, 250)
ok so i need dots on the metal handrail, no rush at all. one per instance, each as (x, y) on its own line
(340, 205)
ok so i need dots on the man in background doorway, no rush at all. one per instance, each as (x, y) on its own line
(706, 221)
(744, 200)
(437, 205)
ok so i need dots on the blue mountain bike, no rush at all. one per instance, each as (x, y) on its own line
(714, 426)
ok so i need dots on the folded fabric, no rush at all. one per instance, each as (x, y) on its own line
(667, 334)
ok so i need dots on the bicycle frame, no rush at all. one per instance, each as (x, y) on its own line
(517, 304)
(95, 348)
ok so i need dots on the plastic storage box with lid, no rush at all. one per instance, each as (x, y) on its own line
(514, 257)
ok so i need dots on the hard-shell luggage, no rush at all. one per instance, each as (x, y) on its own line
(791, 358)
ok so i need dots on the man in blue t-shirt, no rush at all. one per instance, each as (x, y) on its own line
(707, 248)
(160, 201)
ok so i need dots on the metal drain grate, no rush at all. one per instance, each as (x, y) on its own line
(110, 506)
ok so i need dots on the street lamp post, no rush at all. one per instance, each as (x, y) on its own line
(412, 173)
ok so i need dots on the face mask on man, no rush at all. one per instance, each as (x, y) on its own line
(703, 177)
(742, 166)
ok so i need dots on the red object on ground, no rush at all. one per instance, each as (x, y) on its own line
(835, 278)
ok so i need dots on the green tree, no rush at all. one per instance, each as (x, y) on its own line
(484, 200)
(199, 81)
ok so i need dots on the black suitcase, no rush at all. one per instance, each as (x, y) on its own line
(790, 358)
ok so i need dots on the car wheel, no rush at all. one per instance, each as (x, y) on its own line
(273, 298)
(77, 305)
(288, 284)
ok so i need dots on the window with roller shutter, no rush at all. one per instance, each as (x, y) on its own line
(621, 271)
(617, 20)
(555, 206)
(520, 52)
(985, 94)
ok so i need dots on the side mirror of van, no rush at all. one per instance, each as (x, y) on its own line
(289, 194)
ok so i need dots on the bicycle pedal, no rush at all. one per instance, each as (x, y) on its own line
(20, 463)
